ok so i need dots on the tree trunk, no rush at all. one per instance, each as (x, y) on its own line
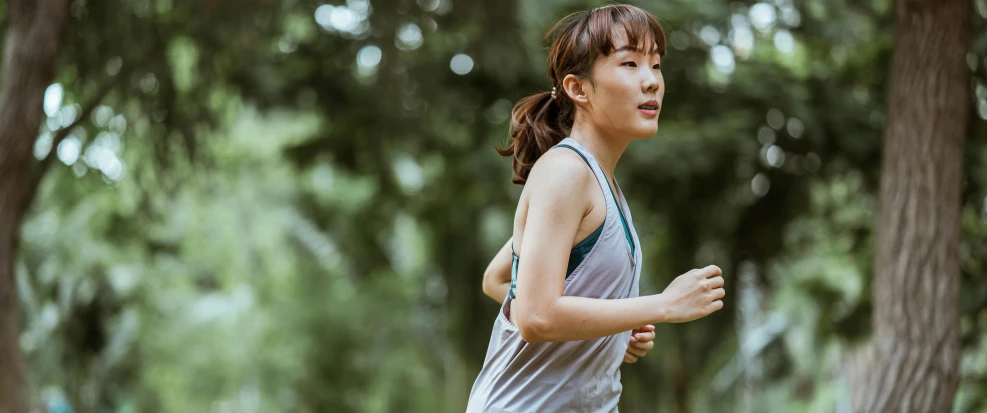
(34, 29)
(912, 363)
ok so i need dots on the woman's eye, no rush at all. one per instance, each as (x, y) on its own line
(629, 64)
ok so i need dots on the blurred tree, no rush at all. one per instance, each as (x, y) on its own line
(106, 44)
(34, 34)
(913, 363)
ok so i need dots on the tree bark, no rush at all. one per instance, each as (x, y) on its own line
(912, 363)
(34, 32)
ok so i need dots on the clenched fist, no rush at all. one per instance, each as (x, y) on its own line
(642, 340)
(693, 295)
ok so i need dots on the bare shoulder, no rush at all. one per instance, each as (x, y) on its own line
(560, 175)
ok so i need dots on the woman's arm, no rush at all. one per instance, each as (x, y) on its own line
(558, 187)
(497, 277)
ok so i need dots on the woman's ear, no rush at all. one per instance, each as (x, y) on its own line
(577, 89)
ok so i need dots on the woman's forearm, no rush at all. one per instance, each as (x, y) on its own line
(497, 290)
(497, 277)
(580, 318)
(688, 297)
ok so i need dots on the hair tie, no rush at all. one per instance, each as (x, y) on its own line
(553, 93)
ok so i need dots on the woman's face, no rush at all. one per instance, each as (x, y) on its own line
(624, 97)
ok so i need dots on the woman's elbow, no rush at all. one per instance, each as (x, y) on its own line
(489, 284)
(533, 329)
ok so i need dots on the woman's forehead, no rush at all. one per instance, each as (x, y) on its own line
(622, 44)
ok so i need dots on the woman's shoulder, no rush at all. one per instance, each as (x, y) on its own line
(562, 171)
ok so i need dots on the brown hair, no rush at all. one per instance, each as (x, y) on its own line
(540, 121)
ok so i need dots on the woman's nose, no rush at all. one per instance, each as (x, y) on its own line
(651, 81)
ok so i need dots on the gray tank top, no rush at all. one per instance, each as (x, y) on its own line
(569, 376)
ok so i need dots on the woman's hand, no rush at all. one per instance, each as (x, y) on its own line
(693, 295)
(642, 340)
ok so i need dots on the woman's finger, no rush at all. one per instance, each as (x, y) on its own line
(639, 352)
(644, 336)
(719, 293)
(643, 345)
(643, 329)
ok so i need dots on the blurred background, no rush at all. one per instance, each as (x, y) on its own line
(281, 206)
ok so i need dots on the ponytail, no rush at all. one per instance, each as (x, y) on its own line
(537, 123)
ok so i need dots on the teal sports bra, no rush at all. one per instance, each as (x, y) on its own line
(576, 256)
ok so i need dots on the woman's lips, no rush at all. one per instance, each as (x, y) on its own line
(649, 108)
(649, 112)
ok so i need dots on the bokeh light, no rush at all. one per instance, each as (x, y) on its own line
(350, 19)
(784, 41)
(760, 184)
(461, 64)
(68, 150)
(101, 115)
(710, 35)
(368, 57)
(775, 118)
(795, 128)
(42, 146)
(409, 37)
(53, 99)
(763, 16)
(722, 57)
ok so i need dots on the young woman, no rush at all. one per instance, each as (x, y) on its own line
(568, 278)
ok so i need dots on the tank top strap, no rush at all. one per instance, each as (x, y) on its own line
(613, 204)
(594, 165)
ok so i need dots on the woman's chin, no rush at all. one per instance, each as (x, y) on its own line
(644, 132)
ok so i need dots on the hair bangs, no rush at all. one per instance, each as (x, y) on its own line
(609, 27)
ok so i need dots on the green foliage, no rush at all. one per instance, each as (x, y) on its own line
(302, 215)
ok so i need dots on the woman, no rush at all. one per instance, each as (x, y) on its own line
(568, 278)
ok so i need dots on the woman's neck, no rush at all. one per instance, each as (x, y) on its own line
(606, 149)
